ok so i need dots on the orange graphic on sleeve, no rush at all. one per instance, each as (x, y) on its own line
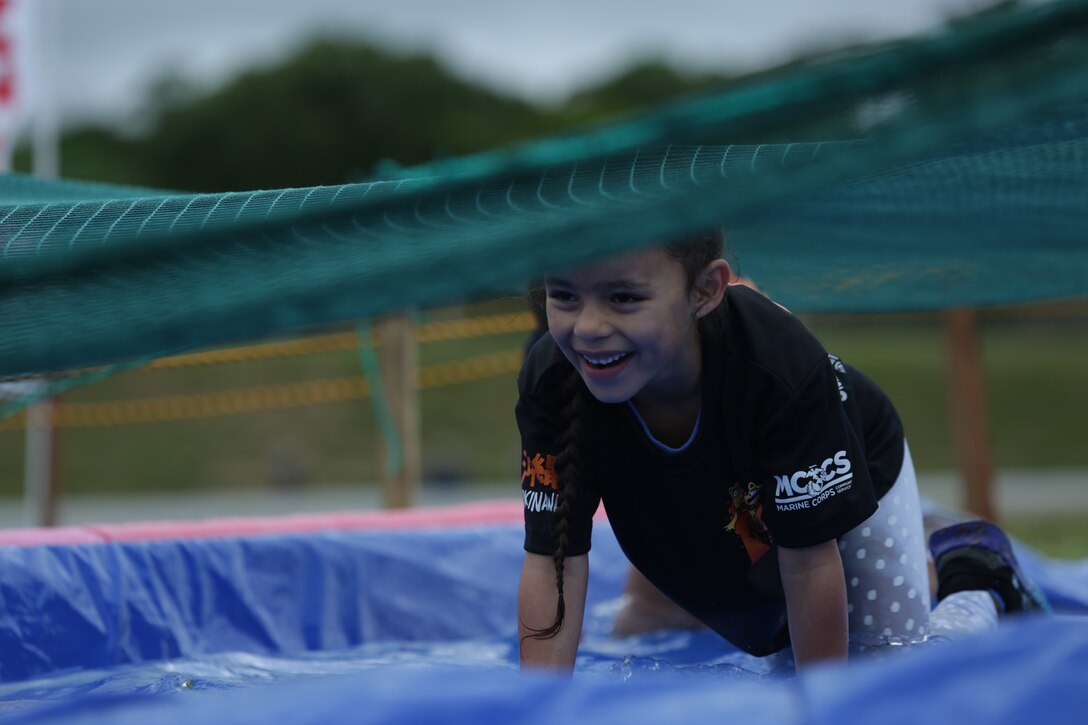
(539, 470)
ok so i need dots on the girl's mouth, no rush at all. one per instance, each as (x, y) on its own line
(603, 362)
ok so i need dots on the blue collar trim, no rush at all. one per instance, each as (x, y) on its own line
(659, 444)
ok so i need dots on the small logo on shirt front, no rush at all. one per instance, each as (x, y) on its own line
(811, 487)
(538, 472)
(743, 512)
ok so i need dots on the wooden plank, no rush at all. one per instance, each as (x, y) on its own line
(398, 355)
(968, 409)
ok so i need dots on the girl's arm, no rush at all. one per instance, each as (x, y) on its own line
(815, 588)
(536, 610)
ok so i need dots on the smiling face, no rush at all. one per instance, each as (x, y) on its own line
(629, 324)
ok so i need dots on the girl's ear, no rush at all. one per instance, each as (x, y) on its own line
(710, 287)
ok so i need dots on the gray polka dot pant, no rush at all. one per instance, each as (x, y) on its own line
(887, 580)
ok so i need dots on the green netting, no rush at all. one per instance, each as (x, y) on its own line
(966, 187)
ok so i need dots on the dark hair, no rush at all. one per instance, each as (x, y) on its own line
(694, 252)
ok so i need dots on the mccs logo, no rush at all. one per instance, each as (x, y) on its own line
(810, 488)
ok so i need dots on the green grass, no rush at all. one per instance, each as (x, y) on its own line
(1035, 378)
(467, 430)
(1034, 373)
(1063, 536)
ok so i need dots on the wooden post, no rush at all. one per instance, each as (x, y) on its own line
(399, 358)
(967, 398)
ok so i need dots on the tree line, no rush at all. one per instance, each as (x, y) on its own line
(342, 110)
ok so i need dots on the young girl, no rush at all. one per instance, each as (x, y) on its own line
(762, 484)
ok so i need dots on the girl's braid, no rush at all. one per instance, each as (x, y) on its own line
(568, 464)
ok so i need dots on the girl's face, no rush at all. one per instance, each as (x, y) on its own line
(628, 325)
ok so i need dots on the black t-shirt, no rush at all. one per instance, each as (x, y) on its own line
(792, 448)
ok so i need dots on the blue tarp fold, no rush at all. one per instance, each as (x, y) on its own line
(417, 626)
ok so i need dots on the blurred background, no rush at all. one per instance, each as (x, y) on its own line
(238, 95)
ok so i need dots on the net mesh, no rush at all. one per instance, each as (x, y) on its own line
(965, 186)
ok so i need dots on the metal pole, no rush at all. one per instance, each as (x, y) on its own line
(46, 135)
(41, 484)
(39, 504)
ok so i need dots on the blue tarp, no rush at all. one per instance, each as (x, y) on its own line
(418, 626)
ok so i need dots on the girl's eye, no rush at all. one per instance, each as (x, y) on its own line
(560, 295)
(625, 298)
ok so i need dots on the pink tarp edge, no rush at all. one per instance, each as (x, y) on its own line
(481, 513)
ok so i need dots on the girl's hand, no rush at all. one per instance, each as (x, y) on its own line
(815, 588)
(537, 598)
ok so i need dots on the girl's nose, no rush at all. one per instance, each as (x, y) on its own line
(591, 324)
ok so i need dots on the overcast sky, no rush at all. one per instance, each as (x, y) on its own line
(108, 51)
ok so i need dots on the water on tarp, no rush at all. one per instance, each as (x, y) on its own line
(659, 657)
